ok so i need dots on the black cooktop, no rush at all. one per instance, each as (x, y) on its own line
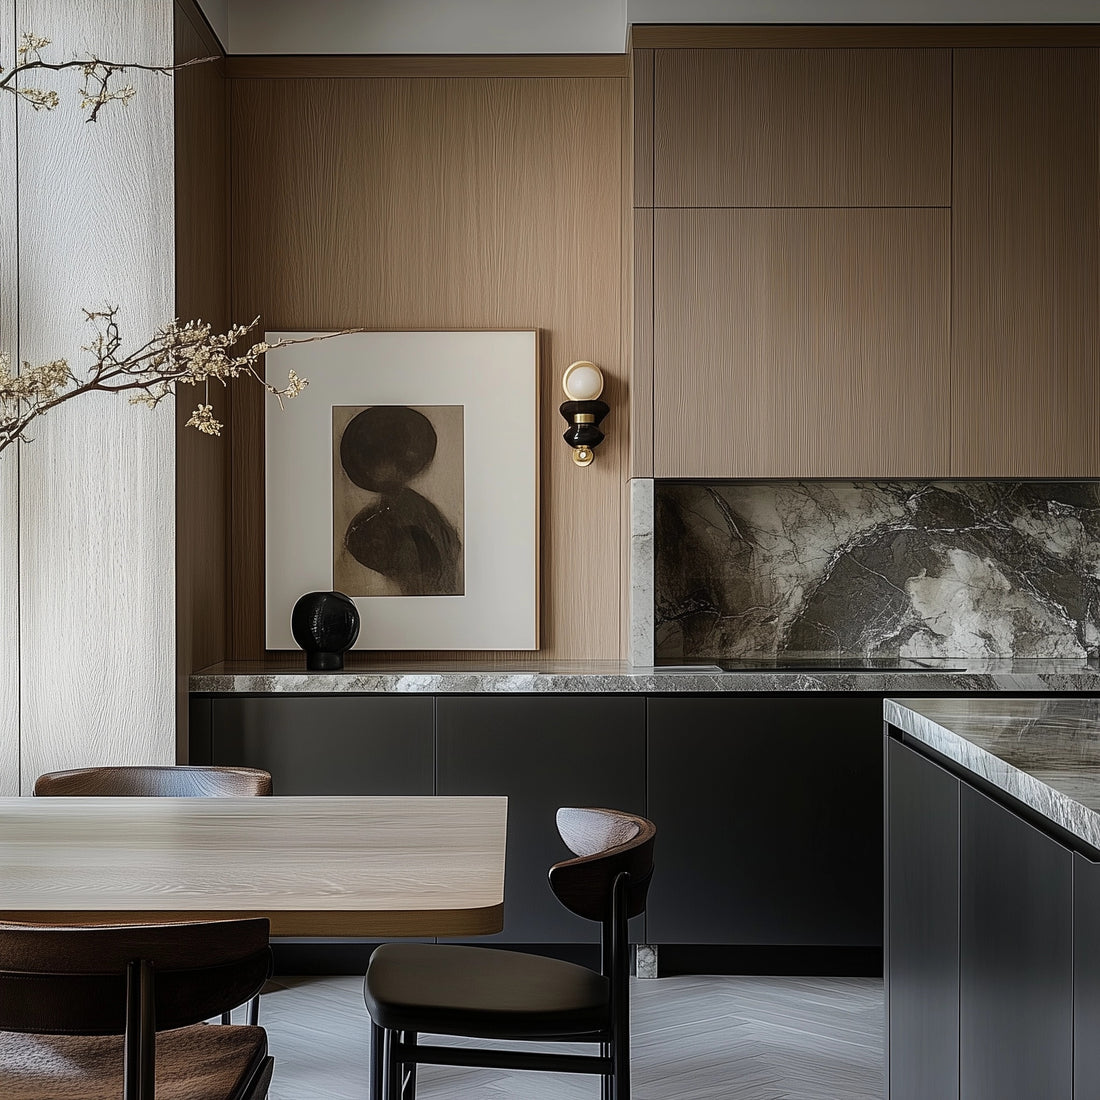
(838, 664)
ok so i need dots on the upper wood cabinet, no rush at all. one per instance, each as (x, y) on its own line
(801, 127)
(791, 343)
(1026, 258)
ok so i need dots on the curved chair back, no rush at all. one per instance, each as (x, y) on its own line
(607, 843)
(84, 981)
(155, 782)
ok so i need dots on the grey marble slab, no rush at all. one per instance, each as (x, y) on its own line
(641, 571)
(553, 677)
(883, 568)
(1045, 753)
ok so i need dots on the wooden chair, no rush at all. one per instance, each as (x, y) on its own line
(160, 782)
(155, 782)
(114, 1012)
(483, 993)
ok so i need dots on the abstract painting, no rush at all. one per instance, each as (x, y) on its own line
(407, 477)
(397, 500)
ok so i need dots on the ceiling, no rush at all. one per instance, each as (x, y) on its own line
(565, 26)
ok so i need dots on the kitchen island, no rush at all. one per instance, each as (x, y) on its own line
(992, 951)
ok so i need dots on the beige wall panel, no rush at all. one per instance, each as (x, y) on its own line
(641, 76)
(801, 343)
(202, 290)
(641, 379)
(802, 127)
(1026, 255)
(431, 203)
(9, 460)
(97, 534)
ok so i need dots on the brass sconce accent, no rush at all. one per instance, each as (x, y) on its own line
(583, 384)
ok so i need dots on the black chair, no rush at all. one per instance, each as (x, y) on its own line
(160, 781)
(478, 992)
(114, 1012)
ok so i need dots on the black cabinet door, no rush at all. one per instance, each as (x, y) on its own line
(1016, 957)
(769, 817)
(543, 752)
(1086, 978)
(350, 745)
(922, 921)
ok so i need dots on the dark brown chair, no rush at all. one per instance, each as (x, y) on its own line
(482, 993)
(114, 1013)
(155, 782)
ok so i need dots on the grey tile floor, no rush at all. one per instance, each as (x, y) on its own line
(719, 1038)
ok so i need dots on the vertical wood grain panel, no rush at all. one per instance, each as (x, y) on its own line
(641, 74)
(97, 532)
(202, 290)
(641, 384)
(408, 203)
(1026, 254)
(794, 343)
(802, 127)
(9, 461)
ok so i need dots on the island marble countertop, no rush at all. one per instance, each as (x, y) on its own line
(288, 675)
(1045, 753)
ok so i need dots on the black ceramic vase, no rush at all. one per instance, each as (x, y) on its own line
(325, 625)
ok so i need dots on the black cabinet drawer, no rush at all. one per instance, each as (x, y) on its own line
(769, 811)
(329, 745)
(1015, 957)
(922, 912)
(543, 752)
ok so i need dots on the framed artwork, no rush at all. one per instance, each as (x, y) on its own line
(406, 477)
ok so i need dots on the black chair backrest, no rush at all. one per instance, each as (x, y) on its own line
(155, 782)
(73, 981)
(607, 843)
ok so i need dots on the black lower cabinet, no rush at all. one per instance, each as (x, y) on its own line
(769, 818)
(1086, 978)
(922, 948)
(543, 753)
(1015, 957)
(328, 745)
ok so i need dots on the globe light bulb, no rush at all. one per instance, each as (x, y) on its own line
(582, 381)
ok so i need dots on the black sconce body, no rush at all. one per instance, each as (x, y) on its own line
(583, 434)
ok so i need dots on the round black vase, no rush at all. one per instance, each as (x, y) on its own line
(325, 625)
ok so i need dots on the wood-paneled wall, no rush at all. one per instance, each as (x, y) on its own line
(429, 202)
(1026, 218)
(202, 290)
(97, 529)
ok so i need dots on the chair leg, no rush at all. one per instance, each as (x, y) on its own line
(408, 1070)
(607, 1079)
(254, 1011)
(393, 1069)
(227, 1017)
(377, 1062)
(620, 1057)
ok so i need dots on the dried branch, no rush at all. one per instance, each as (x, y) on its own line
(179, 354)
(96, 91)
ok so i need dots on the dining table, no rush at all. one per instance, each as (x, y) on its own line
(370, 867)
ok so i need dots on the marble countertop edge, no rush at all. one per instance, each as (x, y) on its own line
(933, 732)
(620, 678)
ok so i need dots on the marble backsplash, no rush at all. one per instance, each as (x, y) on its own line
(876, 568)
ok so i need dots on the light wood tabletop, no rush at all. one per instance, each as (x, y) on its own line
(370, 867)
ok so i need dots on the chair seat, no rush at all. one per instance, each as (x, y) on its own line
(483, 993)
(193, 1063)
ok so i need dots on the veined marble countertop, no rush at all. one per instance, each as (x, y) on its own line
(1045, 753)
(288, 675)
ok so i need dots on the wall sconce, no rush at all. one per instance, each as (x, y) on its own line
(583, 384)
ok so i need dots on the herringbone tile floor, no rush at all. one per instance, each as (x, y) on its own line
(695, 1038)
